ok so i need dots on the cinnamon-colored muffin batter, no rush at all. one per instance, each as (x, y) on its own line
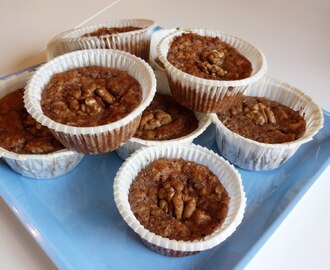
(178, 199)
(90, 96)
(263, 120)
(111, 31)
(208, 57)
(19, 132)
(165, 119)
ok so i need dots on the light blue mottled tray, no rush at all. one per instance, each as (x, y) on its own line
(75, 220)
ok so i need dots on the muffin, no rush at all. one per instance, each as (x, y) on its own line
(165, 119)
(164, 122)
(132, 35)
(263, 130)
(162, 171)
(28, 147)
(207, 68)
(90, 96)
(263, 120)
(91, 100)
(186, 201)
(20, 133)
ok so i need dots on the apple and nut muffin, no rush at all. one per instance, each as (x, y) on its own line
(165, 119)
(19, 132)
(263, 120)
(90, 96)
(178, 199)
(208, 57)
(103, 31)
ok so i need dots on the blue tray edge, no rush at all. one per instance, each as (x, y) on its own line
(51, 252)
(272, 228)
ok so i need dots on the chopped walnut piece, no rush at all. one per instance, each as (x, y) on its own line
(211, 63)
(189, 208)
(260, 114)
(105, 95)
(178, 205)
(155, 120)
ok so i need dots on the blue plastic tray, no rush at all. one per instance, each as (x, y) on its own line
(75, 220)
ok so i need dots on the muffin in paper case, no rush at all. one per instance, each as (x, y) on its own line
(253, 155)
(40, 166)
(204, 95)
(204, 120)
(227, 174)
(99, 139)
(136, 42)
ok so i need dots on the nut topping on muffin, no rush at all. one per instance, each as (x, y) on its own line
(263, 120)
(19, 132)
(208, 57)
(90, 96)
(178, 199)
(111, 31)
(165, 119)
(211, 63)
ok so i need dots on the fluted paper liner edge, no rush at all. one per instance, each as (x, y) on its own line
(88, 139)
(228, 175)
(252, 155)
(39, 166)
(136, 42)
(202, 94)
(204, 120)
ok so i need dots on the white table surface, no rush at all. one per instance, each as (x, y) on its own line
(294, 36)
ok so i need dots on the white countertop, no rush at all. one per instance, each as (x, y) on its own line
(294, 36)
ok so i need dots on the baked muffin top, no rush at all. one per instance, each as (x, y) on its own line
(263, 120)
(103, 31)
(19, 132)
(90, 96)
(208, 57)
(165, 119)
(178, 199)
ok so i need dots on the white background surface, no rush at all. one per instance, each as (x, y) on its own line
(294, 36)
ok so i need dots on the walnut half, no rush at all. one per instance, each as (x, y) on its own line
(260, 114)
(91, 100)
(154, 120)
(211, 63)
(174, 202)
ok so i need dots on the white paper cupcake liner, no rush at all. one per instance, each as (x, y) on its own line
(160, 72)
(228, 175)
(204, 120)
(33, 165)
(204, 95)
(99, 139)
(156, 37)
(136, 42)
(252, 155)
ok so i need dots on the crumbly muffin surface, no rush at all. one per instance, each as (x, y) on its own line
(178, 199)
(263, 120)
(165, 119)
(111, 31)
(208, 58)
(19, 132)
(90, 96)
